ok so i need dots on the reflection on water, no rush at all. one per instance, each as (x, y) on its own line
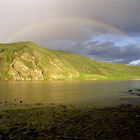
(69, 92)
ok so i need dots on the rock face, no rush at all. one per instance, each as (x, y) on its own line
(26, 61)
(20, 71)
(24, 67)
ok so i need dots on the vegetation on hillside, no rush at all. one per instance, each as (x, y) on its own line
(27, 61)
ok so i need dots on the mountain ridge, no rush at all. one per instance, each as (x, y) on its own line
(27, 61)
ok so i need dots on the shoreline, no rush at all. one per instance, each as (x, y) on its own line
(56, 122)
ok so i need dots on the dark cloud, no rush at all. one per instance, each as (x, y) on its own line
(107, 51)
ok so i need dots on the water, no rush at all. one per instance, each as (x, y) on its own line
(97, 93)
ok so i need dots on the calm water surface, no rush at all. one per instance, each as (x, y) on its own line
(97, 93)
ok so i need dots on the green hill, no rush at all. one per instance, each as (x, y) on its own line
(27, 61)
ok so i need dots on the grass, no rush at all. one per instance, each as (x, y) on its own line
(60, 65)
(93, 70)
(57, 122)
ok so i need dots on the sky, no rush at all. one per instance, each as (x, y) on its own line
(103, 30)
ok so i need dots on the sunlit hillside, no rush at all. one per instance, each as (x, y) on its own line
(27, 61)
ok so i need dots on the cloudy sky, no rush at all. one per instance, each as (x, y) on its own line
(104, 30)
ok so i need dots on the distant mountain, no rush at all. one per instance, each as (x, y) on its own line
(27, 61)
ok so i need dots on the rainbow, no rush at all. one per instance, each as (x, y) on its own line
(86, 21)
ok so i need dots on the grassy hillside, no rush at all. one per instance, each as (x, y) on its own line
(27, 61)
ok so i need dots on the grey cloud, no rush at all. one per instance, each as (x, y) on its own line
(71, 46)
(122, 14)
(15, 14)
(108, 52)
(56, 31)
(105, 51)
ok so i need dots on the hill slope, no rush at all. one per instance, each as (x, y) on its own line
(26, 61)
